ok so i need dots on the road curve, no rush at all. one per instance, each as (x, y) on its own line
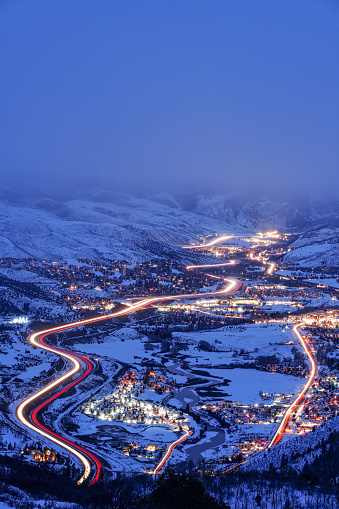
(288, 413)
(86, 457)
(77, 361)
(231, 262)
(292, 407)
(211, 243)
(187, 433)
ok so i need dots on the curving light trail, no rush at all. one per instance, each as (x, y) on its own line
(231, 262)
(295, 403)
(81, 453)
(211, 243)
(37, 339)
(292, 407)
(271, 268)
(172, 445)
(288, 413)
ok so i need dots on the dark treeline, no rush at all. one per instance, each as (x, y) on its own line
(184, 488)
(195, 486)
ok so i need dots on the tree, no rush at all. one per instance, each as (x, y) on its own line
(287, 504)
(180, 490)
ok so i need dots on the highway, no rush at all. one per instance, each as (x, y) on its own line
(271, 268)
(170, 448)
(92, 468)
(288, 414)
(33, 423)
(82, 367)
(231, 262)
(293, 406)
(279, 433)
(213, 242)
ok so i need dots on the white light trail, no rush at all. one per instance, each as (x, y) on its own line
(218, 240)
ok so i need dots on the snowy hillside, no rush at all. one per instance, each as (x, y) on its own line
(97, 223)
(299, 450)
(315, 248)
(264, 213)
(127, 228)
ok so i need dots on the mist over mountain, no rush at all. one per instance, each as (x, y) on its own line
(98, 223)
(257, 213)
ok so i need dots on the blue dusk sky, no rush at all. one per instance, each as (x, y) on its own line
(208, 96)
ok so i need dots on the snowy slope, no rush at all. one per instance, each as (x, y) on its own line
(254, 214)
(315, 248)
(129, 228)
(96, 223)
(298, 450)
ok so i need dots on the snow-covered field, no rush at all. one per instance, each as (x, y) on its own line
(124, 351)
(239, 344)
(245, 384)
(326, 281)
(126, 346)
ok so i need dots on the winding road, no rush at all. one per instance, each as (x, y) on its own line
(29, 412)
(292, 407)
(92, 467)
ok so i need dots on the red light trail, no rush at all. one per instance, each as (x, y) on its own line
(278, 435)
(288, 414)
(86, 457)
(92, 468)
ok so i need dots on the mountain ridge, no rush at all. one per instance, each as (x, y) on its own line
(98, 223)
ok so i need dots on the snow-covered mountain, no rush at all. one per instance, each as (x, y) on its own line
(99, 223)
(263, 213)
(315, 248)
(124, 227)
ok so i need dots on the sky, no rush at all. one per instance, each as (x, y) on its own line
(177, 96)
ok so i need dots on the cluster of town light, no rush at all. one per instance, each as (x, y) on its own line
(45, 455)
(123, 405)
(20, 320)
(330, 319)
